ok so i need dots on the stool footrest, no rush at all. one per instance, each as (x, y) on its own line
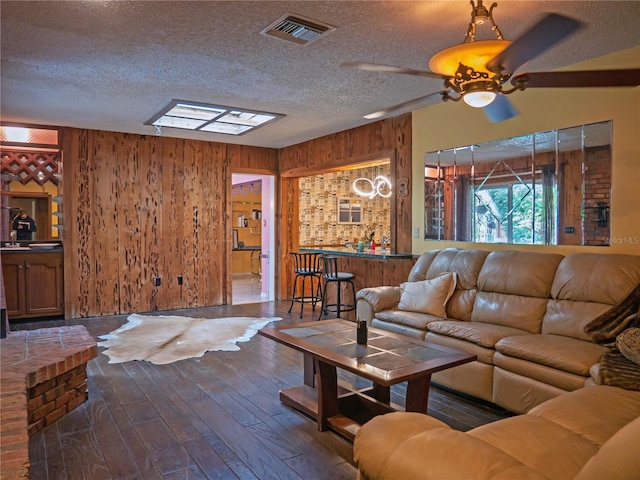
(333, 307)
(307, 299)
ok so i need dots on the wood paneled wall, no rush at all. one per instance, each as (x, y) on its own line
(140, 207)
(386, 138)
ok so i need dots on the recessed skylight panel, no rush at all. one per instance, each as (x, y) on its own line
(179, 122)
(246, 118)
(228, 128)
(195, 112)
(210, 118)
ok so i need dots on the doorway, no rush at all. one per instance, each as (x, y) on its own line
(253, 252)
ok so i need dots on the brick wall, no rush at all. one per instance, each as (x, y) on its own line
(50, 400)
(43, 376)
(597, 188)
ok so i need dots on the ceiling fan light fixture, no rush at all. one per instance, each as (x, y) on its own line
(474, 55)
(479, 98)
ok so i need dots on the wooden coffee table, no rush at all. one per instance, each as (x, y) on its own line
(386, 359)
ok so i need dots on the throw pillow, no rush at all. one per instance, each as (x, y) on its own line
(628, 343)
(428, 296)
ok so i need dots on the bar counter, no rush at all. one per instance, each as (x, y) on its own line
(371, 268)
(378, 253)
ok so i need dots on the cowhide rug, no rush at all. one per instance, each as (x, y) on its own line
(166, 339)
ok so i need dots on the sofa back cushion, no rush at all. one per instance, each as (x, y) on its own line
(466, 264)
(514, 288)
(419, 270)
(585, 286)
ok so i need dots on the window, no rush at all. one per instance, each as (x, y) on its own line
(509, 213)
(349, 210)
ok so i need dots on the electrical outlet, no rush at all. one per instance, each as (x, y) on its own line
(569, 229)
(416, 232)
(179, 279)
(158, 281)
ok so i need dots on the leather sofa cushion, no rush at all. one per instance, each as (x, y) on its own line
(592, 277)
(484, 355)
(483, 334)
(531, 373)
(410, 319)
(540, 444)
(568, 317)
(564, 353)
(372, 449)
(618, 458)
(411, 446)
(419, 270)
(466, 264)
(527, 274)
(460, 305)
(398, 328)
(523, 313)
(595, 413)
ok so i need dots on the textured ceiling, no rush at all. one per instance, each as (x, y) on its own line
(112, 65)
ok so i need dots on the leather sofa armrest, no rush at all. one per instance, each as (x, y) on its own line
(376, 299)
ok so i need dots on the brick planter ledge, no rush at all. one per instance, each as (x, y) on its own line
(43, 375)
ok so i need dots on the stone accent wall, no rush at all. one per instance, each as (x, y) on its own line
(43, 377)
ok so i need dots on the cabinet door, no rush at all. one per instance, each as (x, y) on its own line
(13, 272)
(44, 290)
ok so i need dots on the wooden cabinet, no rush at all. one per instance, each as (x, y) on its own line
(33, 284)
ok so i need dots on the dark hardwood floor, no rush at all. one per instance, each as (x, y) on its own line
(212, 417)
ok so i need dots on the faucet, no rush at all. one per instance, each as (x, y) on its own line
(384, 241)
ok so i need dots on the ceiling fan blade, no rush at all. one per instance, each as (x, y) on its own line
(542, 36)
(500, 109)
(384, 112)
(374, 67)
(585, 78)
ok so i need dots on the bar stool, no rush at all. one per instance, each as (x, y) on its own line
(331, 275)
(306, 266)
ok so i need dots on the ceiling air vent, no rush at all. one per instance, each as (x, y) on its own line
(297, 29)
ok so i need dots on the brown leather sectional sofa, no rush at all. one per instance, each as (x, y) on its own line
(591, 433)
(522, 313)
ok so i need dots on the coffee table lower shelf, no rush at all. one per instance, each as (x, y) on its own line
(354, 407)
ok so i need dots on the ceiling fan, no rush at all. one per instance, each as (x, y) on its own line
(478, 72)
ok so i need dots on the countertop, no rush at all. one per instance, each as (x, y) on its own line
(33, 247)
(378, 253)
